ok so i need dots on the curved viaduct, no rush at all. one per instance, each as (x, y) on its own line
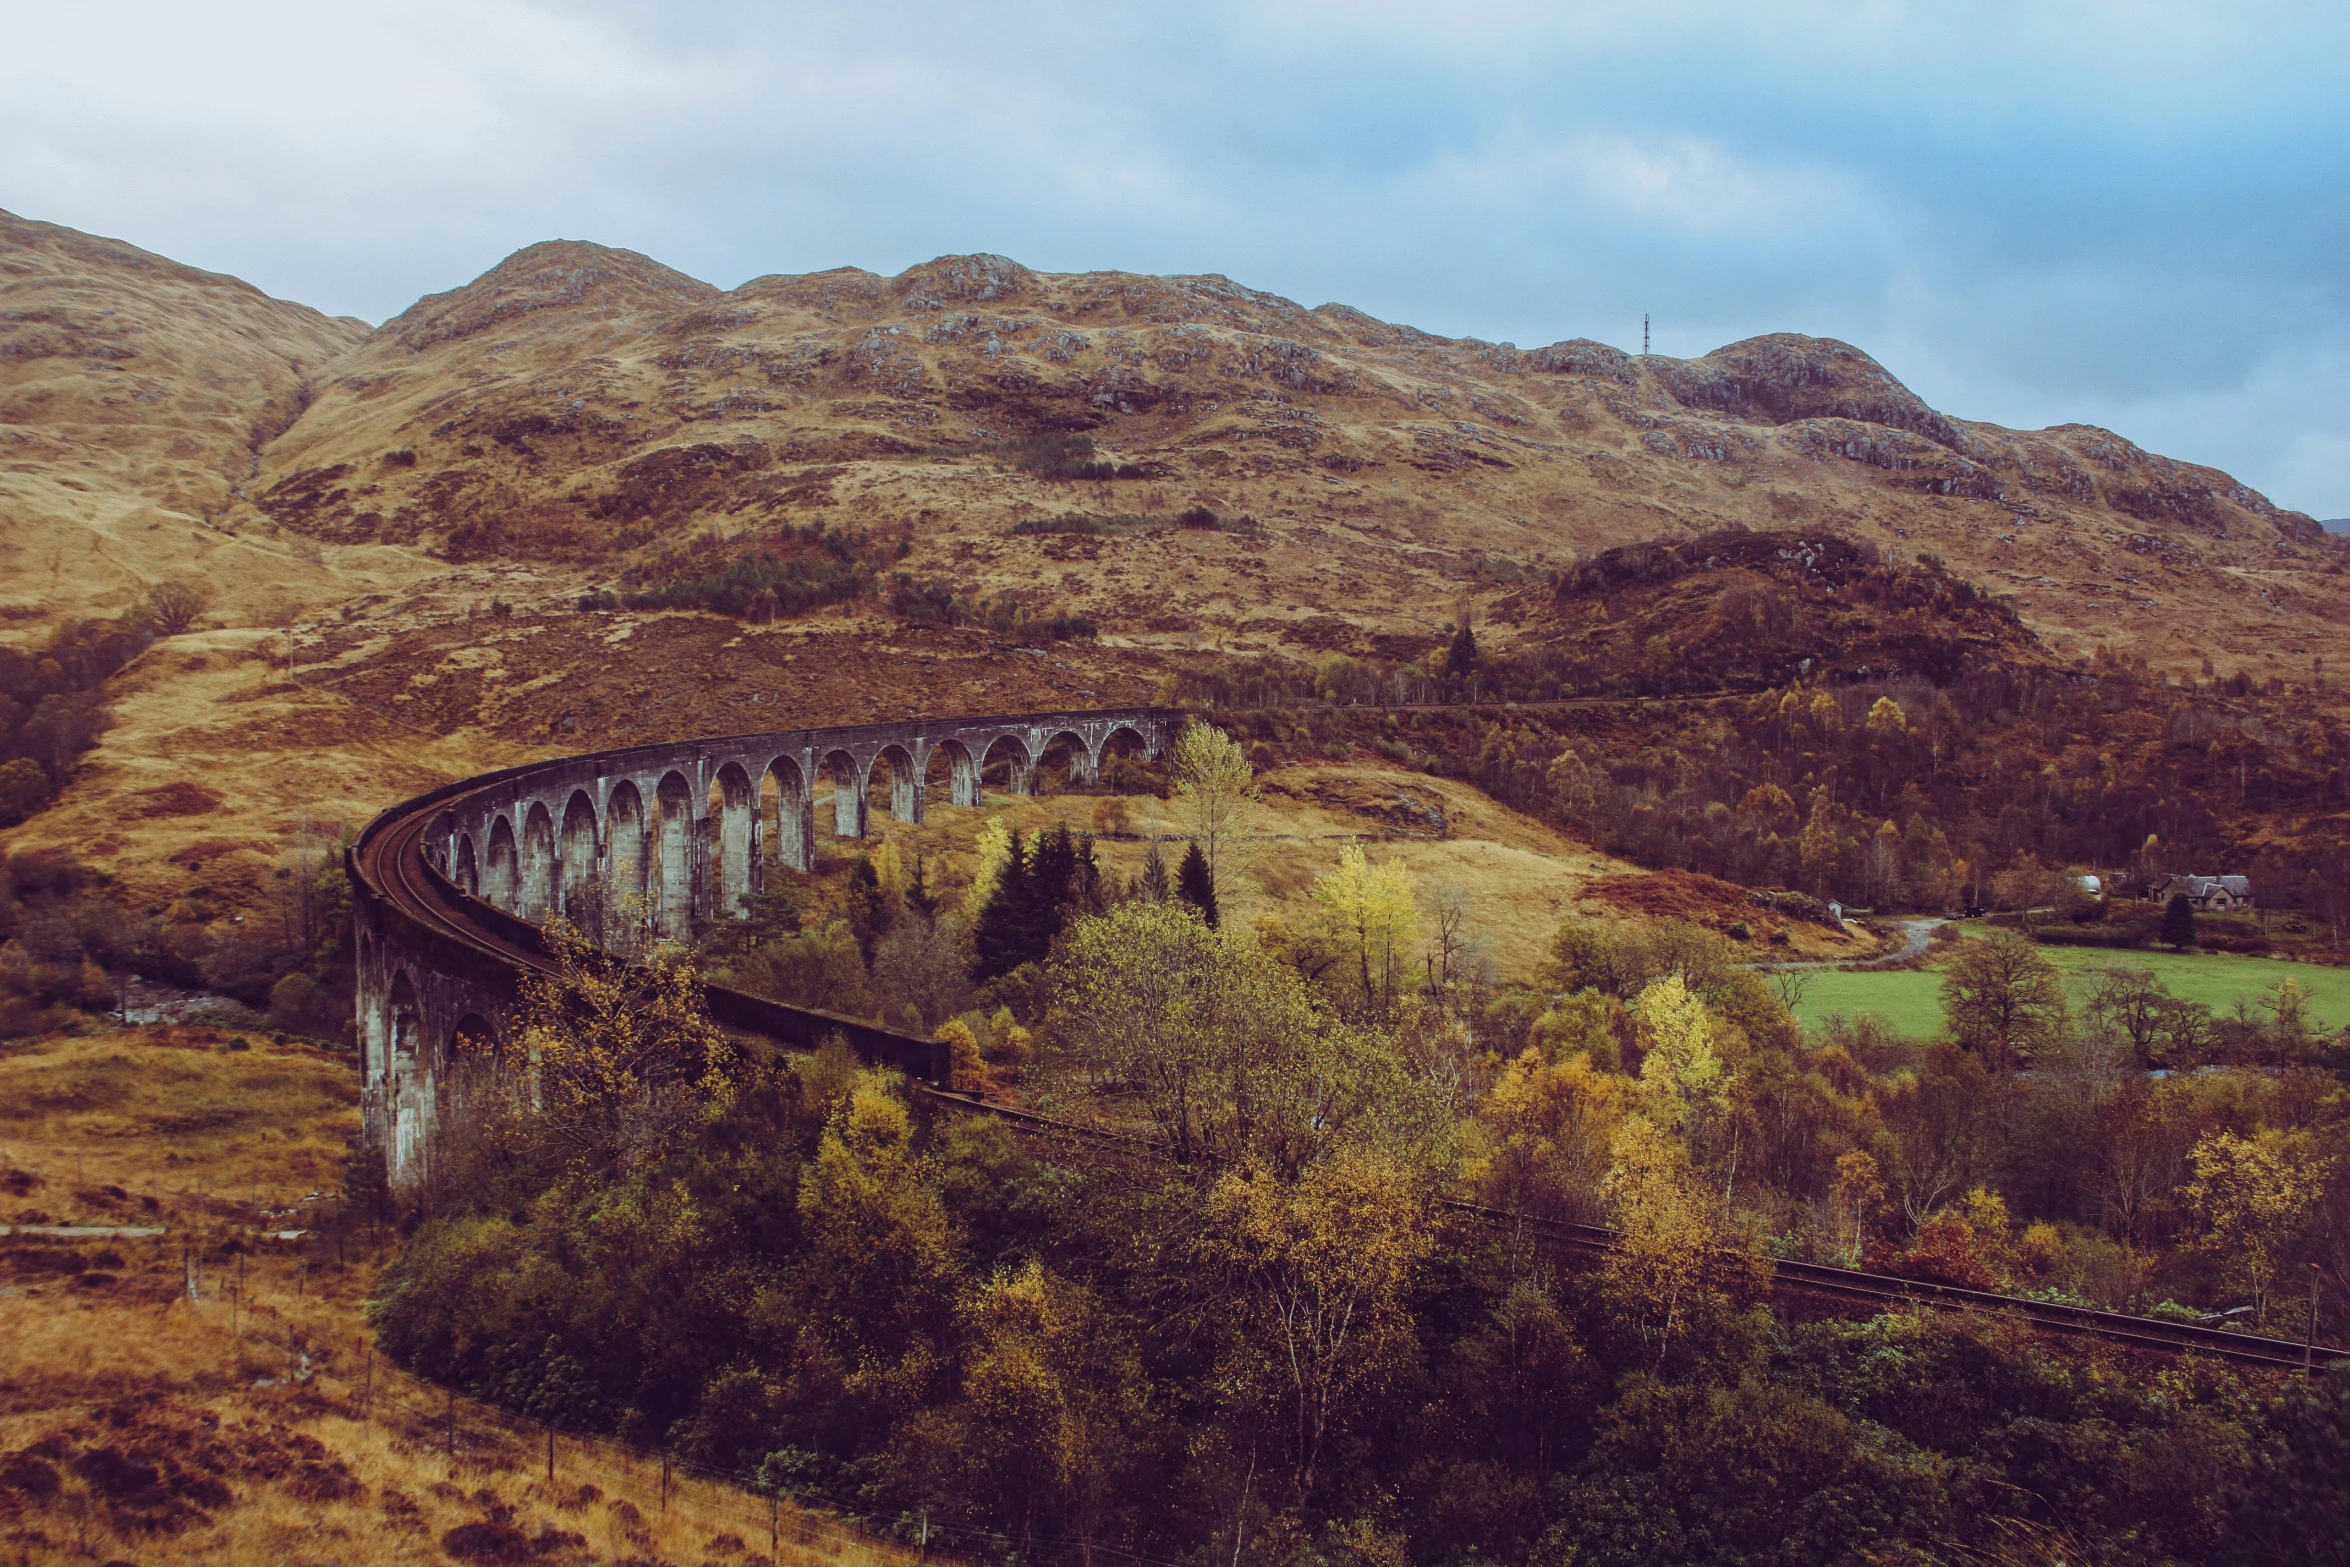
(451, 888)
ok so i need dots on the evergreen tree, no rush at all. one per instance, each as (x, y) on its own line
(1195, 885)
(1052, 875)
(999, 940)
(1153, 886)
(871, 911)
(2178, 922)
(1460, 660)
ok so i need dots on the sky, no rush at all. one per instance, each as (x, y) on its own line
(2131, 215)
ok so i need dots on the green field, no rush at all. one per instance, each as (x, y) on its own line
(1911, 1002)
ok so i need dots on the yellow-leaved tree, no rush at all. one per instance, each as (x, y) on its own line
(1372, 913)
(1216, 786)
(1675, 1277)
(2251, 1197)
(1681, 1077)
(1543, 1135)
(611, 1063)
(1219, 1043)
(881, 1254)
(1050, 1392)
(990, 854)
(1322, 1267)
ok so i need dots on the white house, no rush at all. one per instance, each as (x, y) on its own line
(2204, 894)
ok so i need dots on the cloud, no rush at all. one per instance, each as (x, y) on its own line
(2130, 213)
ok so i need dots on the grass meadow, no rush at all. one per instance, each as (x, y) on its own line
(1910, 1001)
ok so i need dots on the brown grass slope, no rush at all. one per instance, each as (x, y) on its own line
(208, 1395)
(135, 396)
(578, 403)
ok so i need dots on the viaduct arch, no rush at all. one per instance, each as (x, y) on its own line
(451, 889)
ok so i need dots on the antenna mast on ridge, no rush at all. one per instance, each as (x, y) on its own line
(1644, 331)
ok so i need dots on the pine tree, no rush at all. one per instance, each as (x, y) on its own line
(1195, 885)
(999, 940)
(1056, 878)
(2178, 922)
(1460, 660)
(1152, 886)
(871, 910)
(1052, 869)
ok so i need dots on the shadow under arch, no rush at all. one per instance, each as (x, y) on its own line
(961, 773)
(734, 839)
(624, 864)
(1065, 763)
(537, 891)
(579, 890)
(848, 793)
(783, 799)
(904, 783)
(670, 882)
(1006, 765)
(501, 881)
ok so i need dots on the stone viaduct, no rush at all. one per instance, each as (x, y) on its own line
(452, 889)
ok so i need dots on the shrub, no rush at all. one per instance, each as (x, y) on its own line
(24, 789)
(175, 607)
(939, 604)
(1059, 454)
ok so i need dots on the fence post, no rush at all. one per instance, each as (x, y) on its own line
(452, 1423)
(2309, 1344)
(774, 1530)
(550, 1452)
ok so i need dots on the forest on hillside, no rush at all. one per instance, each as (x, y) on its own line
(1257, 1329)
(1881, 734)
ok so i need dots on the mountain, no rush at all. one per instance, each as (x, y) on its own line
(135, 397)
(416, 511)
(579, 405)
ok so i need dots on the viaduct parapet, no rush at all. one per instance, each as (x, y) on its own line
(452, 889)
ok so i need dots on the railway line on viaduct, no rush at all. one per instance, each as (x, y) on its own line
(451, 890)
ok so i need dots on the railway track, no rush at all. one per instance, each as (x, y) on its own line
(389, 860)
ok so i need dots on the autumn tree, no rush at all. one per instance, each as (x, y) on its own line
(1050, 1398)
(2003, 1001)
(1220, 1044)
(1216, 787)
(1946, 1129)
(1681, 1074)
(614, 1063)
(1858, 1193)
(2251, 1198)
(878, 1288)
(176, 606)
(1674, 1277)
(1322, 1266)
(1371, 912)
(1544, 1134)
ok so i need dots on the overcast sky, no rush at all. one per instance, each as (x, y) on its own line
(2125, 214)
